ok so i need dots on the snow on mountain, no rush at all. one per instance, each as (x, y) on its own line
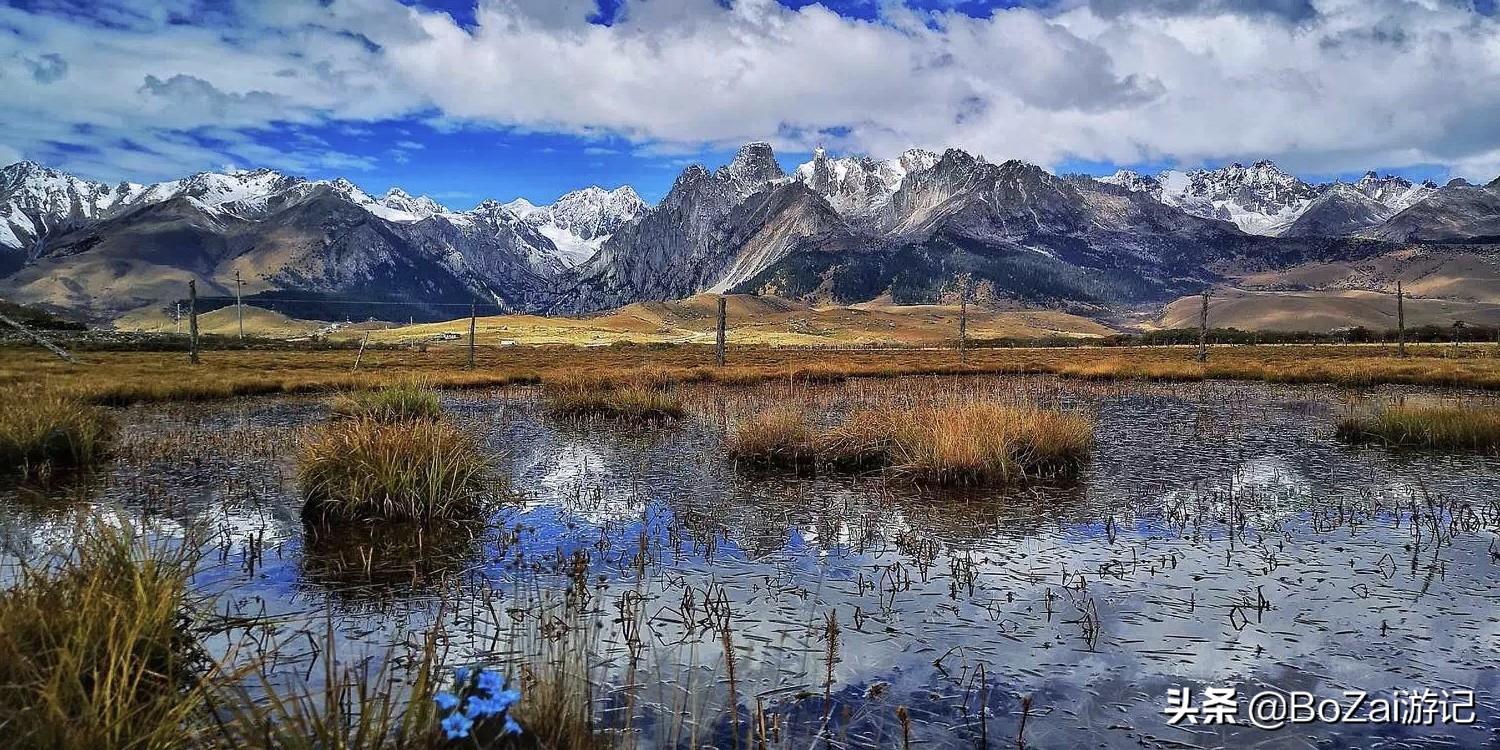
(859, 187)
(581, 221)
(1263, 199)
(397, 199)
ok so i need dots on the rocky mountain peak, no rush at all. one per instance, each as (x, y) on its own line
(753, 168)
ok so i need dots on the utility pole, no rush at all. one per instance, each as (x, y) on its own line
(1203, 330)
(1400, 321)
(239, 305)
(723, 324)
(473, 324)
(193, 321)
(177, 319)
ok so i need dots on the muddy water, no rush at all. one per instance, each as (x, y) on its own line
(1221, 538)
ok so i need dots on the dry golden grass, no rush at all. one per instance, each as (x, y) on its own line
(779, 436)
(365, 469)
(1427, 427)
(641, 396)
(117, 378)
(41, 431)
(403, 402)
(966, 443)
(92, 652)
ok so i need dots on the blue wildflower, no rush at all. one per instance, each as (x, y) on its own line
(457, 726)
(462, 674)
(445, 701)
(511, 727)
(491, 682)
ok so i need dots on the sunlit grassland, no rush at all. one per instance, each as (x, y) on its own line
(1458, 427)
(128, 377)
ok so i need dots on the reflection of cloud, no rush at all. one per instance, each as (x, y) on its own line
(576, 476)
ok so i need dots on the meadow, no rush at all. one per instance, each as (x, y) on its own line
(844, 549)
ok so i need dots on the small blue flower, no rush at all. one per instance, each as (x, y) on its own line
(511, 727)
(445, 701)
(491, 682)
(457, 726)
(462, 675)
(506, 698)
(476, 707)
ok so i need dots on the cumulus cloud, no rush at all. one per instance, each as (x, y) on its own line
(1320, 85)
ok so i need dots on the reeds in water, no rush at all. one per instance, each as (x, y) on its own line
(1455, 427)
(633, 397)
(366, 469)
(975, 443)
(93, 650)
(403, 402)
(42, 431)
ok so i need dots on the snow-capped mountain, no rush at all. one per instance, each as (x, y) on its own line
(580, 221)
(1263, 199)
(844, 229)
(861, 188)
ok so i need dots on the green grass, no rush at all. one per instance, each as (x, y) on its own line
(93, 653)
(1426, 427)
(394, 403)
(363, 469)
(43, 431)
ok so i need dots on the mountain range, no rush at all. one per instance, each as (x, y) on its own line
(839, 230)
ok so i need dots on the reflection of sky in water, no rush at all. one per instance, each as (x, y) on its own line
(1200, 501)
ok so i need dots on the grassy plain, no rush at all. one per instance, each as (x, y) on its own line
(117, 378)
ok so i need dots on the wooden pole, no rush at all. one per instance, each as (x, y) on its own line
(473, 324)
(1400, 321)
(1203, 330)
(193, 321)
(239, 304)
(723, 325)
(37, 337)
(963, 322)
(361, 354)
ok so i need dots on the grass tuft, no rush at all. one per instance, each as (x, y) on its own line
(974, 443)
(642, 396)
(92, 649)
(363, 469)
(1425, 427)
(403, 402)
(40, 431)
(780, 436)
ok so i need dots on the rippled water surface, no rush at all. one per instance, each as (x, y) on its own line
(1220, 537)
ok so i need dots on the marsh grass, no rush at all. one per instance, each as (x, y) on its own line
(965, 443)
(354, 706)
(364, 469)
(639, 396)
(93, 649)
(403, 402)
(1455, 427)
(40, 432)
(782, 435)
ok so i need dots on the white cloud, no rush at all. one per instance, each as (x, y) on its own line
(1320, 85)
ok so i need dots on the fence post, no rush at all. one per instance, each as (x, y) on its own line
(719, 339)
(361, 354)
(193, 321)
(1203, 330)
(55, 349)
(473, 323)
(239, 304)
(1400, 321)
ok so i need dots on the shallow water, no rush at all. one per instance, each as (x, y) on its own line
(1220, 537)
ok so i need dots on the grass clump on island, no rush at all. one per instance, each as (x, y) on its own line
(93, 649)
(1457, 427)
(970, 443)
(394, 403)
(364, 469)
(644, 396)
(40, 432)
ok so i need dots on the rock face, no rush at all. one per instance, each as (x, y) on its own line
(842, 229)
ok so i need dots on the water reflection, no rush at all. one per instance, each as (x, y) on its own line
(1220, 537)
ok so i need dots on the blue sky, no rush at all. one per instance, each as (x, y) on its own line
(531, 98)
